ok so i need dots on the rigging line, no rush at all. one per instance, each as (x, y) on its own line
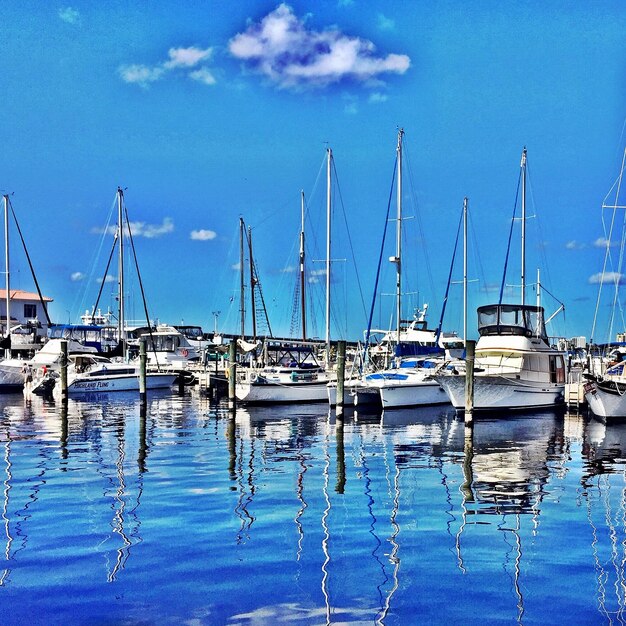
(508, 247)
(143, 294)
(380, 259)
(445, 298)
(419, 219)
(345, 219)
(256, 282)
(607, 253)
(476, 252)
(30, 264)
(95, 257)
(106, 271)
(617, 305)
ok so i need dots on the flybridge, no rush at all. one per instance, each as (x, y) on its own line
(512, 319)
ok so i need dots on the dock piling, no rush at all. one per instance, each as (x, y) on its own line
(470, 351)
(232, 375)
(142, 370)
(64, 370)
(341, 370)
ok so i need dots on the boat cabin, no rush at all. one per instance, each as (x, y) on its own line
(512, 319)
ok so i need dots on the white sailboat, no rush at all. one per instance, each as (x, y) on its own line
(515, 366)
(298, 377)
(606, 390)
(91, 374)
(410, 381)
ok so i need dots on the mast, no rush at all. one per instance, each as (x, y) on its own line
(7, 352)
(398, 257)
(465, 271)
(328, 215)
(523, 166)
(242, 302)
(252, 284)
(120, 228)
(302, 276)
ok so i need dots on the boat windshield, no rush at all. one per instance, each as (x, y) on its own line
(511, 319)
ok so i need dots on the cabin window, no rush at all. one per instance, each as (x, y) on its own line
(30, 311)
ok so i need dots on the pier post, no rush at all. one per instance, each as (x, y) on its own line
(341, 457)
(232, 375)
(64, 370)
(341, 370)
(142, 371)
(470, 351)
(468, 456)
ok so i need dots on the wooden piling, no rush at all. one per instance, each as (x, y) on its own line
(142, 370)
(470, 351)
(341, 371)
(232, 375)
(64, 370)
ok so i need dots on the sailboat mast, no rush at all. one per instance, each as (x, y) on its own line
(302, 276)
(252, 284)
(7, 352)
(465, 271)
(242, 301)
(120, 230)
(523, 166)
(328, 232)
(398, 258)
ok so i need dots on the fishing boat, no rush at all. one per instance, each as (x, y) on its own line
(515, 365)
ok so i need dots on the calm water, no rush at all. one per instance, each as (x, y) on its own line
(182, 515)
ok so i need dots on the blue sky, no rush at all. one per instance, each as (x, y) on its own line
(208, 111)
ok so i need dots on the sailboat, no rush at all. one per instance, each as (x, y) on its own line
(410, 381)
(296, 374)
(515, 366)
(92, 374)
(605, 391)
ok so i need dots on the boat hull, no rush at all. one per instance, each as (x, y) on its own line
(11, 379)
(415, 394)
(501, 393)
(94, 384)
(270, 393)
(607, 399)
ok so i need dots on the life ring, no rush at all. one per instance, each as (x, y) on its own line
(185, 352)
(253, 377)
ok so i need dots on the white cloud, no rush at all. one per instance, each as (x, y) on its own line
(236, 266)
(180, 59)
(187, 57)
(70, 15)
(281, 48)
(141, 229)
(107, 279)
(140, 74)
(601, 242)
(385, 23)
(609, 277)
(202, 235)
(377, 98)
(290, 269)
(203, 75)
(351, 108)
(76, 276)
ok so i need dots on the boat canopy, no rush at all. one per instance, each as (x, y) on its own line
(511, 319)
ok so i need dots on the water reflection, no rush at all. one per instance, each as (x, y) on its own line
(374, 518)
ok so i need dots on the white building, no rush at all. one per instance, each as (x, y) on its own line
(24, 307)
